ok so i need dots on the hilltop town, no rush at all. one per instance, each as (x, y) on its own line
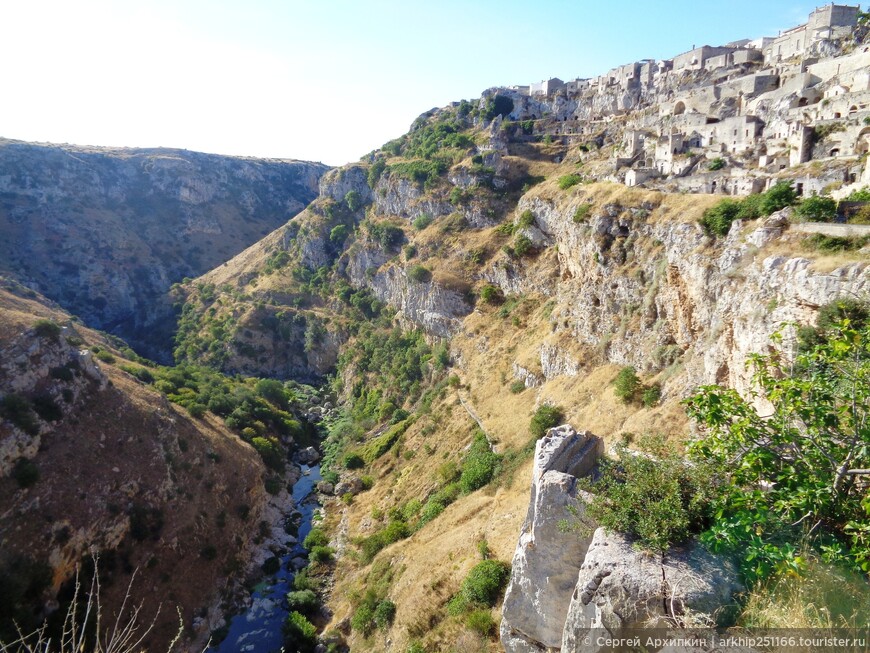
(728, 119)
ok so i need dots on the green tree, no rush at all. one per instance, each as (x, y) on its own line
(779, 196)
(338, 234)
(498, 105)
(626, 385)
(717, 220)
(353, 200)
(817, 209)
(799, 464)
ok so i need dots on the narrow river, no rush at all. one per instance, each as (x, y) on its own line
(258, 630)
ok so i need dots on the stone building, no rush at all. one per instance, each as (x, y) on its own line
(824, 23)
(546, 87)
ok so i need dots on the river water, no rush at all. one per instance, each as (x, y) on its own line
(258, 630)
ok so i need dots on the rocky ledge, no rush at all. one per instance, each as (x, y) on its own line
(567, 583)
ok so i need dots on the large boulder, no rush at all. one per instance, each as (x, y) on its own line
(308, 456)
(548, 556)
(621, 587)
(348, 485)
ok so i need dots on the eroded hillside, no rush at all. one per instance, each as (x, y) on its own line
(106, 232)
(176, 475)
(459, 279)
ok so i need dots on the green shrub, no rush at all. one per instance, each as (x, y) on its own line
(302, 581)
(436, 503)
(460, 196)
(517, 387)
(824, 243)
(353, 200)
(393, 532)
(860, 195)
(787, 466)
(817, 209)
(368, 482)
(481, 621)
(300, 635)
(353, 461)
(105, 357)
(523, 246)
(197, 411)
(46, 408)
(546, 417)
(567, 181)
(750, 207)
(651, 395)
(25, 472)
(141, 373)
(779, 196)
(581, 213)
(717, 220)
(490, 294)
(659, 502)
(527, 219)
(304, 601)
(384, 613)
(422, 221)
(315, 538)
(338, 234)
(626, 385)
(479, 467)
(321, 554)
(47, 329)
(388, 236)
(482, 586)
(18, 410)
(363, 619)
(716, 164)
(270, 452)
(422, 172)
(419, 274)
(498, 105)
(273, 485)
(411, 509)
(375, 171)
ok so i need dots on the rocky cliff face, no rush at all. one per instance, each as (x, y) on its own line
(650, 289)
(106, 232)
(93, 460)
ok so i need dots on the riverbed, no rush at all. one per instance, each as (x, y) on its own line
(258, 629)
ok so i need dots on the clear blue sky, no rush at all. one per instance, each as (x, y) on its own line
(326, 80)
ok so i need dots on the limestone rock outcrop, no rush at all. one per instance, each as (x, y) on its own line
(620, 587)
(567, 584)
(548, 557)
(49, 368)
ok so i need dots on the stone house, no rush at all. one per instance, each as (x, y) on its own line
(824, 23)
(696, 58)
(546, 87)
